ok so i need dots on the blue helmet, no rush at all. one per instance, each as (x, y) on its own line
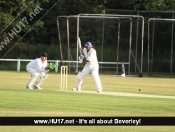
(88, 44)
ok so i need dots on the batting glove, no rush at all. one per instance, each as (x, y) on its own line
(81, 57)
(80, 61)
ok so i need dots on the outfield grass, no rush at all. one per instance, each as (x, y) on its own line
(17, 101)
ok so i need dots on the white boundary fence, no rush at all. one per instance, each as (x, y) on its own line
(28, 60)
(57, 62)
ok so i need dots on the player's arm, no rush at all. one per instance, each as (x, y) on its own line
(82, 56)
(39, 68)
(85, 61)
(90, 59)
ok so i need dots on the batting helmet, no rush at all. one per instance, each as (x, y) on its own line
(88, 44)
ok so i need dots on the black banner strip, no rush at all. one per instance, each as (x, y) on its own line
(82, 121)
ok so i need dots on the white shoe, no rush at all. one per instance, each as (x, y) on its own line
(27, 87)
(99, 91)
(123, 75)
(75, 89)
(37, 87)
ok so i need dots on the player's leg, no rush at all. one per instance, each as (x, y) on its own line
(79, 81)
(80, 77)
(40, 80)
(32, 79)
(96, 78)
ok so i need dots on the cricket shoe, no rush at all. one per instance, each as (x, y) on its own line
(99, 91)
(27, 87)
(75, 89)
(123, 75)
(37, 87)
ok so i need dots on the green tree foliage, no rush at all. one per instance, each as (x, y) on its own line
(43, 29)
(46, 28)
(12, 12)
(154, 5)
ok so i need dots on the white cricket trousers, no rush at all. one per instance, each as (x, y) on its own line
(94, 71)
(34, 75)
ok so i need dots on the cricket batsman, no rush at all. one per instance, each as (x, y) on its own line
(37, 69)
(91, 67)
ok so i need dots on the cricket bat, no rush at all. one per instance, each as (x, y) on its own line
(79, 45)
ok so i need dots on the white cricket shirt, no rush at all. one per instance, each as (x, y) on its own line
(91, 56)
(38, 64)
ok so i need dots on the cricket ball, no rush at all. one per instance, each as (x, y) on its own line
(140, 89)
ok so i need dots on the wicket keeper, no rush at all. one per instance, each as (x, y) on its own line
(37, 70)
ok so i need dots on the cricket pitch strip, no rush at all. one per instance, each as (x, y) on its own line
(124, 94)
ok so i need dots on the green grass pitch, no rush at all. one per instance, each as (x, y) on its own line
(17, 101)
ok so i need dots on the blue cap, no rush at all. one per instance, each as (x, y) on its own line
(88, 44)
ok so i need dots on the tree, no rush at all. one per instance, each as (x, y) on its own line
(13, 13)
(20, 17)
